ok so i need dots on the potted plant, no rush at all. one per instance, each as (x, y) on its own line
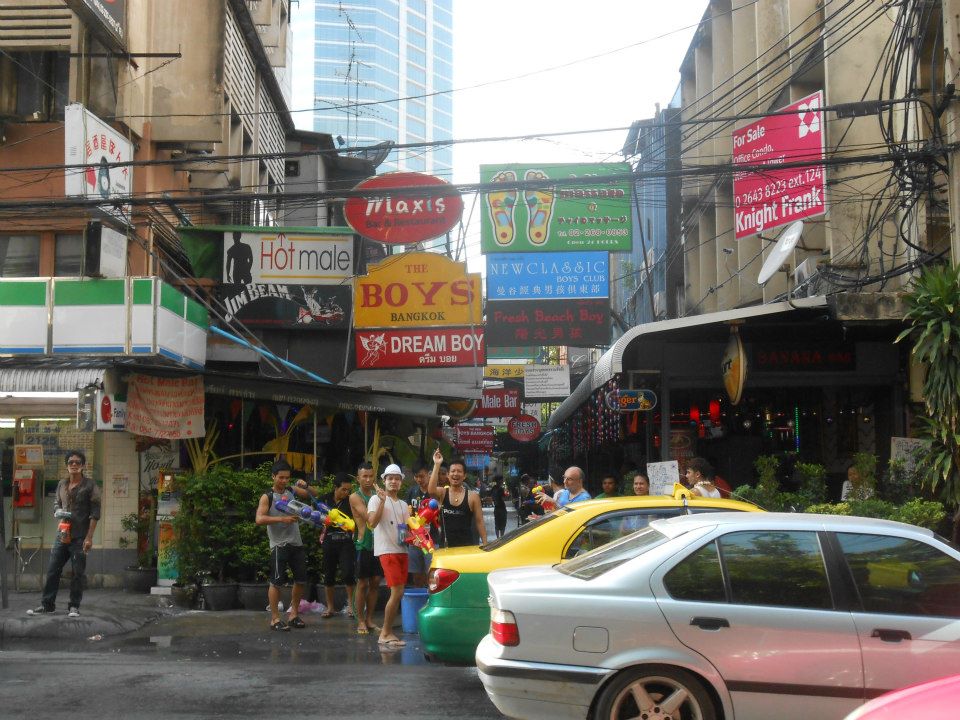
(141, 577)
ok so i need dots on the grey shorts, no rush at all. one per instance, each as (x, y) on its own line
(419, 561)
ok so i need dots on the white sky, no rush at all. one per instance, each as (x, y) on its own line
(495, 39)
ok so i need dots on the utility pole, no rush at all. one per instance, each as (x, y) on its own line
(951, 117)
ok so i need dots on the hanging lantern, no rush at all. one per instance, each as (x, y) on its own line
(715, 412)
(694, 414)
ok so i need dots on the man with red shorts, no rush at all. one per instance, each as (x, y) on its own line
(387, 514)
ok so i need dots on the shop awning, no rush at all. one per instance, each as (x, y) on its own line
(457, 383)
(610, 363)
(291, 391)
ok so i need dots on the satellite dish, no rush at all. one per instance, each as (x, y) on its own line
(781, 251)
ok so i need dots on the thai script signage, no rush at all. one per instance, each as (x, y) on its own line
(547, 381)
(531, 276)
(548, 322)
(775, 197)
(475, 438)
(417, 290)
(533, 214)
(420, 347)
(91, 142)
(398, 213)
(498, 402)
(165, 407)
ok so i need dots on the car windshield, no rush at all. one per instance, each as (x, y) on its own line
(595, 563)
(524, 529)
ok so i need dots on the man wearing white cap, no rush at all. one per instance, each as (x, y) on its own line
(387, 514)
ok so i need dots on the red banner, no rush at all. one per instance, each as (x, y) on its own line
(475, 438)
(421, 347)
(775, 197)
(498, 402)
(163, 407)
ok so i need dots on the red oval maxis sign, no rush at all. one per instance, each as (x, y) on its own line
(406, 216)
(524, 428)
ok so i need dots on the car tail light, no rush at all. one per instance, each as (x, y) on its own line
(503, 627)
(440, 579)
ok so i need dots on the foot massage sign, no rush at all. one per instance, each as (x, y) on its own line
(580, 211)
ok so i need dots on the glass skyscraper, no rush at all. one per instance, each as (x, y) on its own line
(382, 70)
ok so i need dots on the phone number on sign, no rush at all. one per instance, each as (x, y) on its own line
(614, 232)
(776, 188)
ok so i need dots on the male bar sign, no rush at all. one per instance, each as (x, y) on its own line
(778, 196)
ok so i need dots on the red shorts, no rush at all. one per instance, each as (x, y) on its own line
(395, 566)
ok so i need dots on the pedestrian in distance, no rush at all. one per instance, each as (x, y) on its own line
(700, 478)
(387, 514)
(573, 490)
(77, 506)
(286, 545)
(498, 494)
(610, 487)
(419, 561)
(369, 572)
(641, 484)
(459, 506)
(337, 543)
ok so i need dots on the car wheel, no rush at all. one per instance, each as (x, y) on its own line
(655, 692)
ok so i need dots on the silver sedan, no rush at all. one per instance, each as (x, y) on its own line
(738, 616)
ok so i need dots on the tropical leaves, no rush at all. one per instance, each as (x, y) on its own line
(933, 303)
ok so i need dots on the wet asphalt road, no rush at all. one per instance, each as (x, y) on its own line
(230, 665)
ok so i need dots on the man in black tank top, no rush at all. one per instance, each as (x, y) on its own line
(460, 507)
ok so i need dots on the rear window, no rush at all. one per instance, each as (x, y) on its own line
(524, 529)
(607, 557)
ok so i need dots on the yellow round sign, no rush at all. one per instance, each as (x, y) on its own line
(733, 366)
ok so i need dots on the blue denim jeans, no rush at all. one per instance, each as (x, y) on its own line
(58, 558)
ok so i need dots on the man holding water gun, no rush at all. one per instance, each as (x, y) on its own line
(286, 546)
(338, 550)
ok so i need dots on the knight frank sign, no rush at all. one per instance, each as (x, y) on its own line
(778, 196)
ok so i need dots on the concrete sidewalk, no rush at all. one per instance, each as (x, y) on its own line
(104, 612)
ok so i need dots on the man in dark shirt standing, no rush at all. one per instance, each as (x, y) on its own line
(338, 550)
(80, 497)
(459, 506)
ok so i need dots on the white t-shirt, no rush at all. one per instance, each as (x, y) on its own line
(386, 536)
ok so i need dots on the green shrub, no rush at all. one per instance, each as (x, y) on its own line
(925, 513)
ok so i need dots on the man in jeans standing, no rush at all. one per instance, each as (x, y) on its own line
(79, 496)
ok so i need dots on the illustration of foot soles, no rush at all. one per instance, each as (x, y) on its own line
(539, 203)
(501, 204)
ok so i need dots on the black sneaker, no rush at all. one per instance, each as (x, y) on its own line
(42, 610)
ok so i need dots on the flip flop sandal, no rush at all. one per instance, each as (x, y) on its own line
(280, 626)
(392, 642)
(297, 622)
(327, 614)
(375, 628)
(363, 631)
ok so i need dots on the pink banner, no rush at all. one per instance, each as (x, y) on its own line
(778, 196)
(168, 408)
(475, 438)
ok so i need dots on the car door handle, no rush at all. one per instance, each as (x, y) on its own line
(888, 635)
(710, 623)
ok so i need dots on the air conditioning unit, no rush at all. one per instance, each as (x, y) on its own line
(659, 304)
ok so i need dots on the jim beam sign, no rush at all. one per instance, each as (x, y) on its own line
(417, 290)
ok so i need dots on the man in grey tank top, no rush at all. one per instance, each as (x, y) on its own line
(286, 547)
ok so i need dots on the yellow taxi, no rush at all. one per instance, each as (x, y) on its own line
(456, 616)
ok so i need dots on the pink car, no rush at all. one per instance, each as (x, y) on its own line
(933, 700)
